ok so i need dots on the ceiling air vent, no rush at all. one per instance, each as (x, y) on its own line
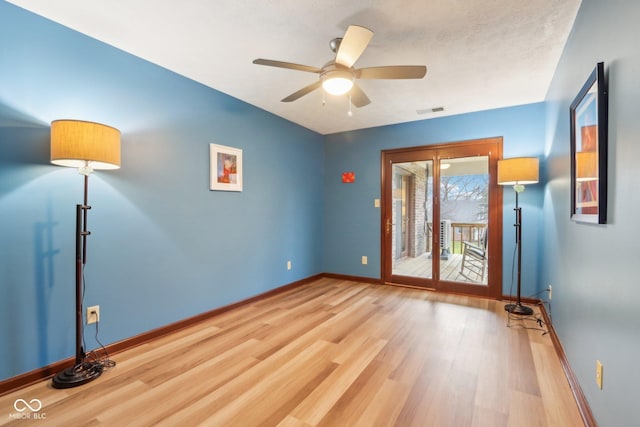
(430, 110)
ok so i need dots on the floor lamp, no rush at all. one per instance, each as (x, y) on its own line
(518, 172)
(86, 146)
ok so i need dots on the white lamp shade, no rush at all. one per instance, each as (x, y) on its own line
(76, 143)
(337, 82)
(518, 171)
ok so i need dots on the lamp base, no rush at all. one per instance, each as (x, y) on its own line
(77, 375)
(519, 309)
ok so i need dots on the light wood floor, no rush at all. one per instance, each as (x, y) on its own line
(331, 353)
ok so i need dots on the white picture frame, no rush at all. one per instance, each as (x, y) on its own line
(225, 168)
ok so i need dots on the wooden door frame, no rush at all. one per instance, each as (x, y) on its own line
(494, 283)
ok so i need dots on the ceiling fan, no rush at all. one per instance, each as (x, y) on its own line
(338, 76)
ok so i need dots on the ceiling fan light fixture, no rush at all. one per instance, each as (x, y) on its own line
(337, 82)
(338, 76)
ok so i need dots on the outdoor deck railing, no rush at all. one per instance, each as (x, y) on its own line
(465, 232)
(461, 232)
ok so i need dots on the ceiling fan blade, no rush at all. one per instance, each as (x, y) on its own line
(302, 92)
(358, 97)
(289, 65)
(354, 42)
(392, 72)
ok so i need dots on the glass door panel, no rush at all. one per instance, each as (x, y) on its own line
(464, 215)
(411, 211)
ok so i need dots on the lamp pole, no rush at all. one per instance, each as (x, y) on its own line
(82, 371)
(518, 308)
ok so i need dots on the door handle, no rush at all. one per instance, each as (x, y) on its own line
(388, 226)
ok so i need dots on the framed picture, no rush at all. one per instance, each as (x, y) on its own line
(226, 168)
(589, 150)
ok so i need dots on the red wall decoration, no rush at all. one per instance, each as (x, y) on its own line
(348, 177)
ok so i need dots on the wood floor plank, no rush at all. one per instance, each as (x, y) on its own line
(202, 409)
(164, 400)
(354, 401)
(290, 421)
(526, 409)
(385, 406)
(554, 389)
(320, 401)
(271, 400)
(329, 353)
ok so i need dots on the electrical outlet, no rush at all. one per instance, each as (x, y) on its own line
(599, 374)
(550, 292)
(93, 314)
(364, 260)
(288, 265)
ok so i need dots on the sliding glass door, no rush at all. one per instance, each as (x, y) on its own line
(441, 217)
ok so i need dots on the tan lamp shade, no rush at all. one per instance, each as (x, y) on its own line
(518, 171)
(76, 143)
(586, 166)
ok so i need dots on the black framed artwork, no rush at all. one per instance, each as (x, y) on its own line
(589, 116)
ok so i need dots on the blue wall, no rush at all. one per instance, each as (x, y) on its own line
(354, 222)
(163, 246)
(594, 268)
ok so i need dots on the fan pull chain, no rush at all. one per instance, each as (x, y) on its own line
(323, 100)
(350, 113)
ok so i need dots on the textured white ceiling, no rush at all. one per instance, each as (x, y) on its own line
(479, 54)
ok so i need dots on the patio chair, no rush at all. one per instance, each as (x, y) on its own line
(474, 259)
